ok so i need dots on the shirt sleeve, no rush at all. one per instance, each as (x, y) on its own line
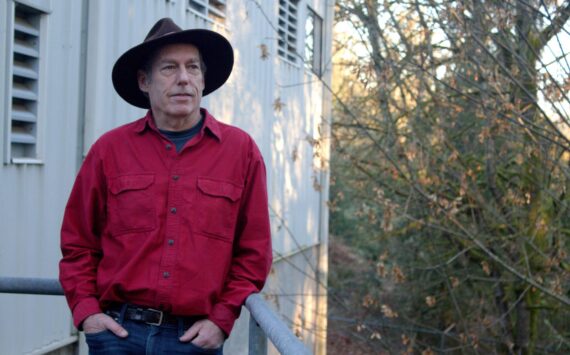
(252, 253)
(80, 239)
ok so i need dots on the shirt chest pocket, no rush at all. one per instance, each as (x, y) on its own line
(217, 207)
(131, 204)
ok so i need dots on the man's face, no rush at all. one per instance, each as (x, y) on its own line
(175, 84)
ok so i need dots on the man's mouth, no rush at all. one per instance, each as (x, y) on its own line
(182, 94)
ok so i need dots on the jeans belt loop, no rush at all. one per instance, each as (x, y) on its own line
(122, 312)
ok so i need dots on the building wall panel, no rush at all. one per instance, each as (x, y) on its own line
(33, 196)
(280, 104)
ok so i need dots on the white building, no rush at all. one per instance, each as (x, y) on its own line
(56, 98)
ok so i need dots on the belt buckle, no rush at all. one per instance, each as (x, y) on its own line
(161, 313)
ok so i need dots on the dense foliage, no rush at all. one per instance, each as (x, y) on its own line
(451, 175)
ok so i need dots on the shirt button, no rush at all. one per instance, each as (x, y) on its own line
(170, 241)
(168, 146)
(173, 210)
(166, 274)
(175, 177)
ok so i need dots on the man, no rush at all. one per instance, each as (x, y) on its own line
(166, 231)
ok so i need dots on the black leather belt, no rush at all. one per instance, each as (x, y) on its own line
(149, 315)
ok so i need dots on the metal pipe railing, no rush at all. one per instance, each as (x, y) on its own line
(273, 327)
(263, 323)
(30, 286)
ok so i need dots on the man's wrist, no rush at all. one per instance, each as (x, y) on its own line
(224, 317)
(84, 309)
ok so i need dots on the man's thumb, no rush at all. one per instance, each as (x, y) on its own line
(117, 329)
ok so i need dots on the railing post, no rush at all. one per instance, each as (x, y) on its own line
(257, 338)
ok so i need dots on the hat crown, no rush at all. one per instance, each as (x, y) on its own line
(163, 27)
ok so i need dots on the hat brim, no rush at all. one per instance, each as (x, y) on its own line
(215, 49)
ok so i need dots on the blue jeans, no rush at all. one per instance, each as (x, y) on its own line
(144, 339)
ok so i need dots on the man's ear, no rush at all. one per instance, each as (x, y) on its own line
(142, 80)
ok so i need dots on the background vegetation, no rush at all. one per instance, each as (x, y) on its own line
(451, 175)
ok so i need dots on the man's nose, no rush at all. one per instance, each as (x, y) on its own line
(183, 76)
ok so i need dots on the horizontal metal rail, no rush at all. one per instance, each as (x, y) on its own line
(264, 323)
(30, 286)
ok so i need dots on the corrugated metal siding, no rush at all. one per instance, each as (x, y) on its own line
(257, 85)
(38, 193)
(33, 196)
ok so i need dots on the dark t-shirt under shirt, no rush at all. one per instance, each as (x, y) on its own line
(179, 138)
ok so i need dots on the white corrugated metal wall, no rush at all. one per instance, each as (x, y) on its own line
(33, 195)
(248, 100)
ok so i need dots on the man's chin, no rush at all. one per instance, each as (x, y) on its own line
(182, 112)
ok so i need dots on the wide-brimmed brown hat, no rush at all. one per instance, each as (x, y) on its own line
(215, 49)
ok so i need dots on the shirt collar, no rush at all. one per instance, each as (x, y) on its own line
(144, 123)
(210, 124)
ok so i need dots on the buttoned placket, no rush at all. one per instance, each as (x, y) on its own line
(167, 272)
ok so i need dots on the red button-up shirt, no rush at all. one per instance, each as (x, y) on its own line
(184, 232)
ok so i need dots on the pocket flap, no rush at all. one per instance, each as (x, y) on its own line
(130, 182)
(219, 188)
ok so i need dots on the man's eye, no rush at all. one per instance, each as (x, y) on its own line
(169, 68)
